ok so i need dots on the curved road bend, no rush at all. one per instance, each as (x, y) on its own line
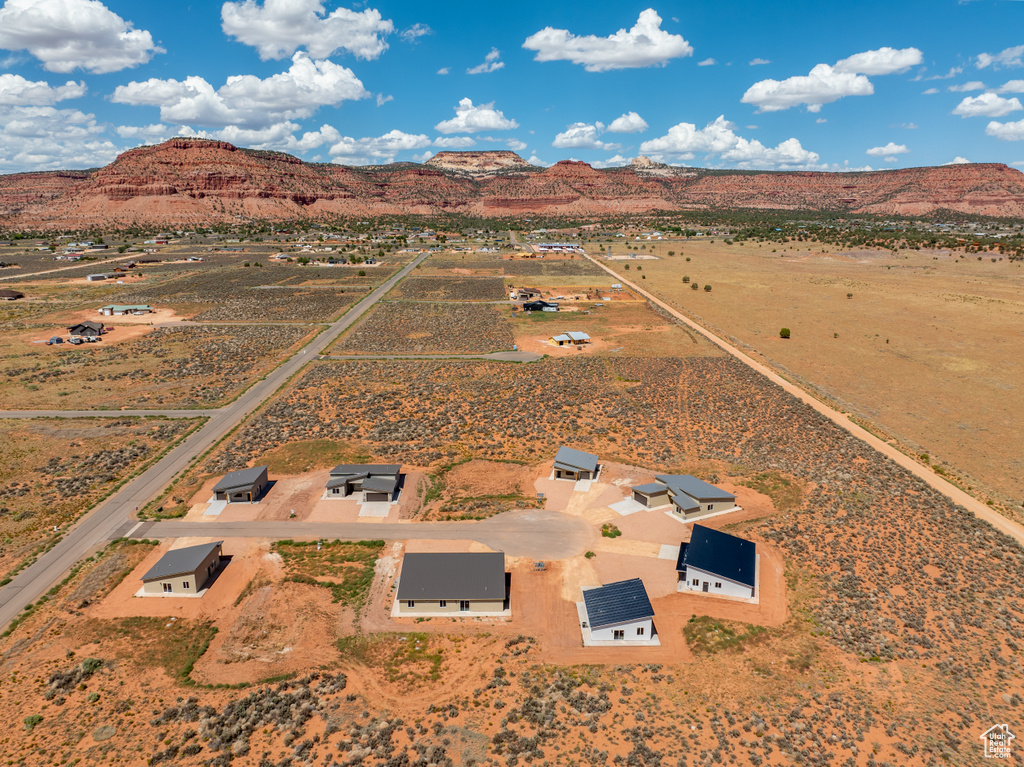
(948, 489)
(100, 524)
(530, 533)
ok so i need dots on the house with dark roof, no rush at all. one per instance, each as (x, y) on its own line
(619, 611)
(575, 464)
(87, 329)
(453, 585)
(376, 482)
(183, 572)
(7, 294)
(244, 486)
(714, 562)
(540, 306)
(690, 497)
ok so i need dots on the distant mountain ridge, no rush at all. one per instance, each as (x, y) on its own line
(197, 181)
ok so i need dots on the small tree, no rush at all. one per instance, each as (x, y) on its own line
(784, 333)
(694, 286)
(686, 278)
(707, 288)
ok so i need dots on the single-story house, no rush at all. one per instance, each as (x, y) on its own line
(377, 482)
(714, 562)
(619, 611)
(183, 571)
(690, 497)
(243, 486)
(96, 278)
(571, 338)
(452, 584)
(122, 309)
(575, 464)
(524, 294)
(86, 329)
(10, 295)
(540, 306)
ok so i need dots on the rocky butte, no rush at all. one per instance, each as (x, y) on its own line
(197, 181)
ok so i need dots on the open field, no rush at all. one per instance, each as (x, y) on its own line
(452, 289)
(413, 328)
(198, 366)
(55, 469)
(945, 326)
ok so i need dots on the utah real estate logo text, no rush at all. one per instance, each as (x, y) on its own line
(997, 741)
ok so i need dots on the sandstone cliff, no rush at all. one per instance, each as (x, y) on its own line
(194, 181)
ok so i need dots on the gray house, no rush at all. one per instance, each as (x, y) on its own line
(183, 571)
(690, 497)
(244, 486)
(377, 482)
(452, 584)
(87, 329)
(575, 464)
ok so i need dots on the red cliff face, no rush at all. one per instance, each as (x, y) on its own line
(197, 181)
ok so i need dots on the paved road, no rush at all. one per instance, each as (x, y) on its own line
(948, 489)
(99, 525)
(525, 533)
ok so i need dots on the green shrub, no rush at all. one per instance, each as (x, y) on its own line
(32, 721)
(784, 333)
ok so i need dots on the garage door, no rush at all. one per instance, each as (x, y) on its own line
(639, 498)
(377, 497)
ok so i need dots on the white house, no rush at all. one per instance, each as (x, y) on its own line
(714, 562)
(619, 611)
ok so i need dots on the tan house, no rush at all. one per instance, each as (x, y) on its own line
(183, 572)
(243, 486)
(453, 585)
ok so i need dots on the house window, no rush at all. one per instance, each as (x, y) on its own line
(410, 603)
(443, 603)
(464, 605)
(711, 507)
(184, 585)
(696, 582)
(718, 584)
(639, 631)
(618, 634)
(168, 588)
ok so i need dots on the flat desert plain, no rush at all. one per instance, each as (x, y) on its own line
(926, 350)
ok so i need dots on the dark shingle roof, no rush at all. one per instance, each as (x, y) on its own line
(695, 488)
(180, 561)
(365, 469)
(380, 484)
(453, 576)
(618, 602)
(242, 479)
(569, 458)
(721, 554)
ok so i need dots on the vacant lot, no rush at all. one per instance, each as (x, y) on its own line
(54, 469)
(413, 328)
(924, 346)
(452, 289)
(169, 367)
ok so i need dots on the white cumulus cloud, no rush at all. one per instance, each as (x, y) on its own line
(889, 149)
(708, 62)
(278, 28)
(583, 136)
(759, 62)
(246, 100)
(15, 90)
(473, 119)
(491, 63)
(454, 142)
(987, 105)
(827, 83)
(646, 44)
(1006, 58)
(443, 71)
(958, 161)
(930, 92)
(376, 150)
(685, 142)
(1006, 131)
(44, 138)
(516, 145)
(415, 32)
(1011, 86)
(630, 122)
(382, 99)
(615, 161)
(74, 34)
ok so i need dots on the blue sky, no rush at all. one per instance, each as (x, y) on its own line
(744, 84)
